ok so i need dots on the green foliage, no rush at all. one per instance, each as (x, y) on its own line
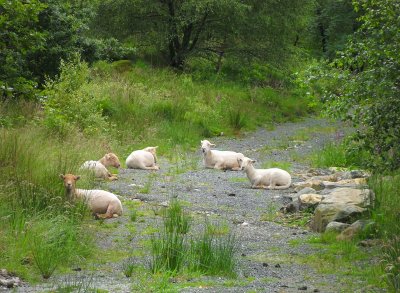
(212, 29)
(19, 37)
(69, 104)
(339, 154)
(391, 263)
(361, 84)
(37, 220)
(53, 242)
(212, 254)
(335, 22)
(386, 210)
(172, 251)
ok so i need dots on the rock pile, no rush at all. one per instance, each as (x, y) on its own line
(338, 198)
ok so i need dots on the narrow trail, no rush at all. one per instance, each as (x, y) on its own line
(270, 255)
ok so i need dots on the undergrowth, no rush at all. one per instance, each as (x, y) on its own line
(175, 250)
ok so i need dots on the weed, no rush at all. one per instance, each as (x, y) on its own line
(237, 119)
(211, 253)
(133, 215)
(147, 186)
(128, 267)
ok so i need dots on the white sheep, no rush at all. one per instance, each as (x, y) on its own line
(222, 160)
(103, 204)
(273, 178)
(143, 159)
(100, 167)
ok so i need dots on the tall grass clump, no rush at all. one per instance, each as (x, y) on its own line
(33, 207)
(176, 250)
(386, 214)
(338, 154)
(213, 254)
(169, 249)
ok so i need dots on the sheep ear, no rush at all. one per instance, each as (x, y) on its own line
(239, 160)
(212, 144)
(77, 177)
(156, 147)
(107, 156)
(62, 176)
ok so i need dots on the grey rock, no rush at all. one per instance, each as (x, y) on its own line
(354, 229)
(336, 226)
(306, 190)
(326, 213)
(349, 196)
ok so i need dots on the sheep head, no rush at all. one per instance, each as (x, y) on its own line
(110, 159)
(206, 146)
(245, 162)
(69, 183)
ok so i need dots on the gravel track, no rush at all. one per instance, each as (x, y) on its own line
(267, 262)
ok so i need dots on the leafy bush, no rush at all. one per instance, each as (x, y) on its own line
(69, 105)
(361, 84)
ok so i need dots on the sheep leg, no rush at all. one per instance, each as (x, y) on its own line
(219, 166)
(112, 177)
(236, 169)
(155, 167)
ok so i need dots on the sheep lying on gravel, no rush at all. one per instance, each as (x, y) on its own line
(273, 178)
(103, 204)
(143, 159)
(222, 160)
(100, 167)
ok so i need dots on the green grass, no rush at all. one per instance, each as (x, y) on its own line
(173, 250)
(275, 164)
(338, 154)
(347, 260)
(385, 214)
(41, 230)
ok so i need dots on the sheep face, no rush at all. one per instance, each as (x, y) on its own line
(111, 159)
(245, 163)
(206, 146)
(69, 181)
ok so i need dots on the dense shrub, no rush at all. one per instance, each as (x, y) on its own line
(362, 84)
(68, 104)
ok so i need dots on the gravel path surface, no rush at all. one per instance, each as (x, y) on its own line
(267, 259)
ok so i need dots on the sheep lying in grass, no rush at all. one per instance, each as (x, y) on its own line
(273, 178)
(222, 160)
(103, 204)
(100, 167)
(143, 159)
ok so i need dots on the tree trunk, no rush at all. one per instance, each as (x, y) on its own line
(219, 62)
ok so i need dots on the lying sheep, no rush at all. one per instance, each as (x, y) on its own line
(100, 167)
(222, 160)
(103, 204)
(273, 178)
(143, 159)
